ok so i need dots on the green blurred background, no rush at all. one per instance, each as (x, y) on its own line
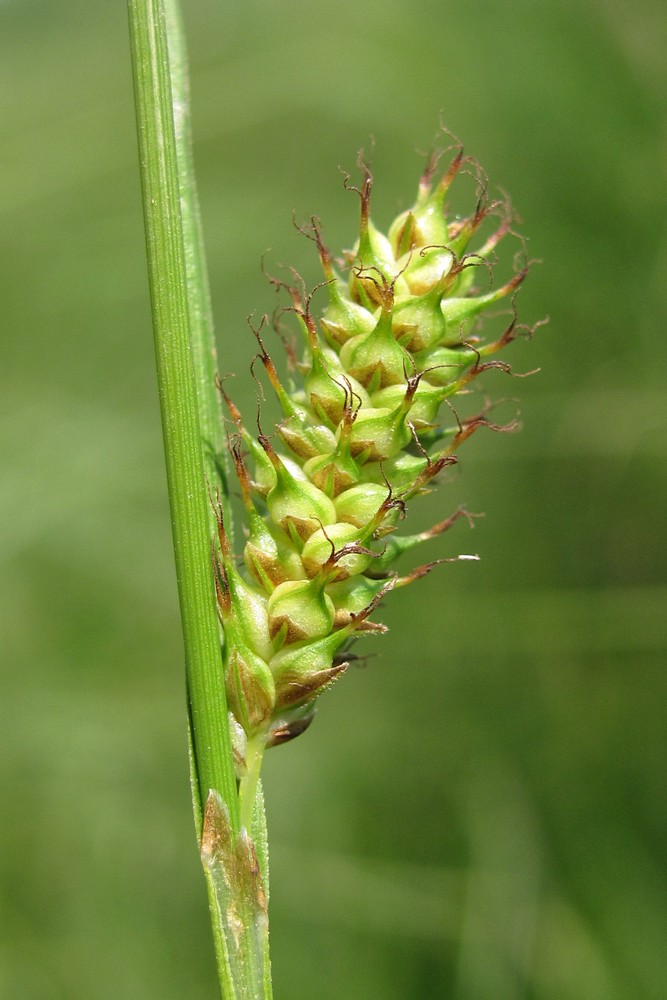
(480, 813)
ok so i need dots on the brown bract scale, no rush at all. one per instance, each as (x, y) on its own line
(372, 427)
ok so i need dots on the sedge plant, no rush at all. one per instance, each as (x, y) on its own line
(370, 420)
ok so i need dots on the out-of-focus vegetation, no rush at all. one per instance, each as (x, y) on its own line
(479, 814)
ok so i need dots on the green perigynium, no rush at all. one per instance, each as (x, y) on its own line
(325, 496)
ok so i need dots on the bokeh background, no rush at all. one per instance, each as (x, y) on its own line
(479, 814)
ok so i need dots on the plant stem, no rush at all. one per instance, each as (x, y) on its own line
(185, 355)
(178, 401)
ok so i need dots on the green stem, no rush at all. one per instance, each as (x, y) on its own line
(178, 401)
(186, 363)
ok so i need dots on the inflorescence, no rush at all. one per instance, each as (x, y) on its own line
(398, 338)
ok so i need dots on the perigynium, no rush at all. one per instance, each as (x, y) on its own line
(369, 420)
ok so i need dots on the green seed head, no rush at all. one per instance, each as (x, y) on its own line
(397, 342)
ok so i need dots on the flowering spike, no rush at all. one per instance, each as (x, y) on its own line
(365, 436)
